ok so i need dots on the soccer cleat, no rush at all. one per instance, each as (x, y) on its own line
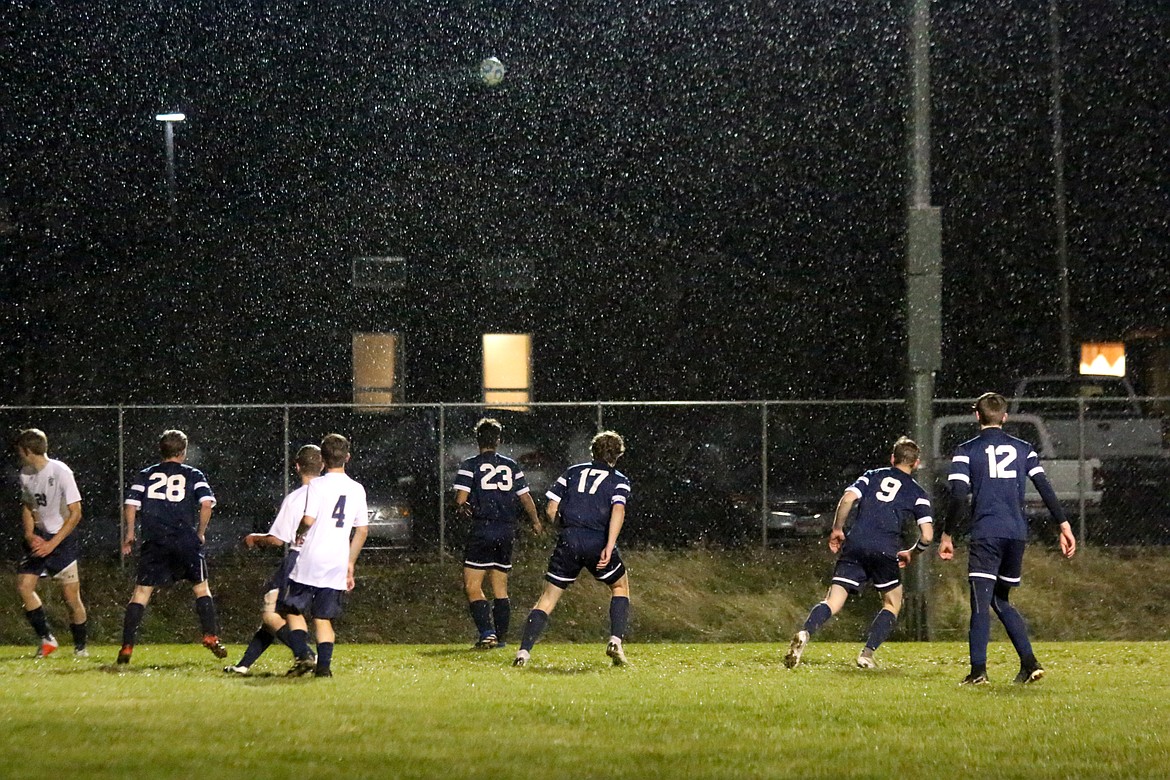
(240, 670)
(323, 672)
(302, 667)
(1029, 675)
(865, 660)
(614, 650)
(975, 678)
(80, 652)
(521, 658)
(124, 654)
(487, 642)
(212, 643)
(796, 649)
(48, 645)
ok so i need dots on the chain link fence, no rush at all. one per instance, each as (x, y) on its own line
(726, 474)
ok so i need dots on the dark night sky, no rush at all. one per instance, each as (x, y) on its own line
(713, 193)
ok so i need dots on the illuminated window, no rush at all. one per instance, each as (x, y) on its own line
(507, 370)
(376, 370)
(1105, 359)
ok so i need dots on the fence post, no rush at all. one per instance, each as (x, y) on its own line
(118, 487)
(442, 481)
(287, 465)
(764, 475)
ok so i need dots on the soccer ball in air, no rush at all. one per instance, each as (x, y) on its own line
(491, 71)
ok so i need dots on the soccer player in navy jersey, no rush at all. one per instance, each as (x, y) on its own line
(175, 503)
(590, 501)
(337, 522)
(491, 490)
(283, 532)
(871, 552)
(992, 470)
(50, 512)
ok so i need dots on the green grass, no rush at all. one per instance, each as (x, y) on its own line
(680, 711)
(678, 596)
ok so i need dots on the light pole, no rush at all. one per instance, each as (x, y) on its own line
(169, 121)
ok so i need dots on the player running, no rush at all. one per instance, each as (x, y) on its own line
(283, 532)
(50, 511)
(993, 468)
(871, 552)
(590, 500)
(335, 506)
(175, 502)
(490, 490)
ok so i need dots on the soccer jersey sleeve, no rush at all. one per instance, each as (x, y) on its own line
(558, 489)
(68, 485)
(137, 489)
(922, 509)
(520, 483)
(621, 490)
(859, 485)
(464, 477)
(202, 489)
(288, 519)
(361, 508)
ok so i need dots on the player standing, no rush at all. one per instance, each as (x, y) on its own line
(283, 531)
(490, 490)
(50, 511)
(871, 552)
(993, 468)
(591, 501)
(335, 507)
(175, 502)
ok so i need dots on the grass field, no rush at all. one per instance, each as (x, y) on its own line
(679, 711)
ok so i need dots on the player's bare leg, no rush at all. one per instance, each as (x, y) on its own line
(205, 608)
(537, 620)
(34, 613)
(883, 624)
(477, 604)
(833, 602)
(71, 592)
(501, 605)
(135, 611)
(619, 616)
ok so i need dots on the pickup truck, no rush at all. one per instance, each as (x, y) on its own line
(1071, 479)
(1113, 423)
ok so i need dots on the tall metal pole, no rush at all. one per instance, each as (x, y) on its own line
(1060, 205)
(923, 286)
(171, 186)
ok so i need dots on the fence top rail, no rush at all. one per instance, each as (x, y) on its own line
(450, 405)
(549, 404)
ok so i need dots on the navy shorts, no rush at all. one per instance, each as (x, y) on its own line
(279, 577)
(52, 564)
(168, 559)
(856, 567)
(300, 599)
(576, 551)
(490, 546)
(996, 559)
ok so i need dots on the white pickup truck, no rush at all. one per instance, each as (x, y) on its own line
(1100, 414)
(1072, 480)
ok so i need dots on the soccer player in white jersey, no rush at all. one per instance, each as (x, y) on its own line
(335, 508)
(50, 512)
(283, 532)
